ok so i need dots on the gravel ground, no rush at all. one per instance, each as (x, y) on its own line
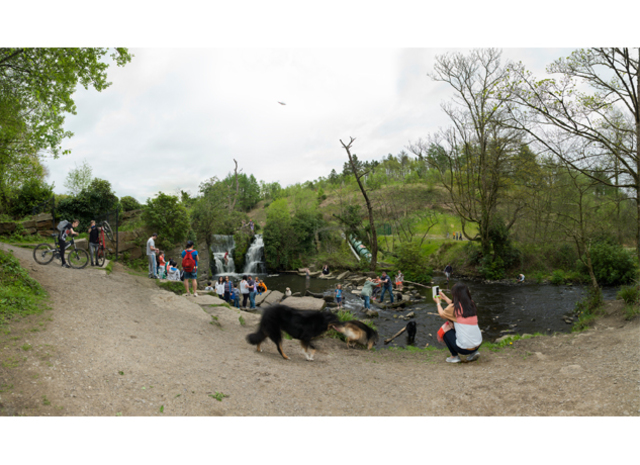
(118, 345)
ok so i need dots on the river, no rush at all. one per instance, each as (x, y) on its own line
(521, 308)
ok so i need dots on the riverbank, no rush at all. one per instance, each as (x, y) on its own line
(117, 345)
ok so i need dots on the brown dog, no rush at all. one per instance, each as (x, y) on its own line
(356, 332)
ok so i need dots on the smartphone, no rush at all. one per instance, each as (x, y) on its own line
(435, 290)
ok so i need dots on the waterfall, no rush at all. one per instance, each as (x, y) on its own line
(221, 245)
(254, 259)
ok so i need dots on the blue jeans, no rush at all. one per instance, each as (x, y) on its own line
(252, 299)
(384, 289)
(152, 265)
(367, 301)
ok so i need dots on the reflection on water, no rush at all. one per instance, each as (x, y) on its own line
(522, 308)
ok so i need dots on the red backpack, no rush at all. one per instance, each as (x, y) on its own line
(188, 263)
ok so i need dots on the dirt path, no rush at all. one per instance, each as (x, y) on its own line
(118, 345)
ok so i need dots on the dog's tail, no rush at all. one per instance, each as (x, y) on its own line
(256, 338)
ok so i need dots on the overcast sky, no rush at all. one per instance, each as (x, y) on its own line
(175, 117)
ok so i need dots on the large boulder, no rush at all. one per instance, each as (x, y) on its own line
(273, 298)
(29, 224)
(262, 297)
(343, 275)
(305, 303)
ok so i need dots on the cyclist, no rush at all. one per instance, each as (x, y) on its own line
(66, 231)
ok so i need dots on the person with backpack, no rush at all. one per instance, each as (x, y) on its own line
(190, 268)
(66, 230)
(151, 255)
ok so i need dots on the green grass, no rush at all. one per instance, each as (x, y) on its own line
(177, 287)
(109, 267)
(508, 342)
(218, 396)
(20, 295)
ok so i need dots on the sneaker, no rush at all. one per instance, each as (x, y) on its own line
(473, 356)
(455, 359)
(186, 295)
(195, 294)
(66, 266)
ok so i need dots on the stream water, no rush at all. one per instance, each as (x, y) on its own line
(521, 308)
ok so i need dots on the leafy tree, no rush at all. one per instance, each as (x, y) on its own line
(612, 264)
(39, 84)
(558, 115)
(167, 216)
(478, 147)
(32, 192)
(129, 203)
(93, 201)
(279, 239)
(79, 178)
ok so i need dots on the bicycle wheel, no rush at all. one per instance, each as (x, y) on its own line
(78, 258)
(43, 254)
(107, 230)
(100, 257)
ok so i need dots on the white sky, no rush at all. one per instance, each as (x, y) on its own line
(175, 117)
(204, 85)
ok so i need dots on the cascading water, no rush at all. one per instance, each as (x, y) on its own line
(221, 246)
(254, 259)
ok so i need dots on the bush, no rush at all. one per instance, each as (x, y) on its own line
(630, 294)
(588, 308)
(492, 269)
(611, 263)
(169, 218)
(412, 261)
(129, 203)
(558, 277)
(91, 202)
(20, 294)
(31, 193)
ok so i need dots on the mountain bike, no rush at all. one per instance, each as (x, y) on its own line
(103, 253)
(76, 258)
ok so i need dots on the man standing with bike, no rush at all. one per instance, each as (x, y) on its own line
(66, 231)
(94, 243)
(151, 255)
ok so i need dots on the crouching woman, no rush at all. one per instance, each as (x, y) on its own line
(460, 333)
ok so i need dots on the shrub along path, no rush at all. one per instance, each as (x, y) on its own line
(119, 345)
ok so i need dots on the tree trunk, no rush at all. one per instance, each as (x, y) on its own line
(374, 235)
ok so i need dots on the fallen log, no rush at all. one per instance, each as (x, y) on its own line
(387, 341)
(417, 284)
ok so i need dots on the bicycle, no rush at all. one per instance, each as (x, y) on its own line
(76, 258)
(103, 253)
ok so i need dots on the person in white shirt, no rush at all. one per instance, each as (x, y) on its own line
(151, 255)
(220, 287)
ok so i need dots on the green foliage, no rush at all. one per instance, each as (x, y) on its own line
(177, 287)
(31, 193)
(558, 277)
(242, 240)
(289, 241)
(588, 308)
(79, 178)
(169, 218)
(412, 261)
(20, 295)
(95, 200)
(129, 203)
(37, 85)
(612, 264)
(492, 268)
(630, 294)
(219, 396)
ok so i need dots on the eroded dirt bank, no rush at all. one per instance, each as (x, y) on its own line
(118, 345)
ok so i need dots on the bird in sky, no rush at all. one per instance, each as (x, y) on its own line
(282, 103)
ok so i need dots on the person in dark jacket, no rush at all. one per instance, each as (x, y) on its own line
(386, 286)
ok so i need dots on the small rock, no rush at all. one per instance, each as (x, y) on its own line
(411, 314)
